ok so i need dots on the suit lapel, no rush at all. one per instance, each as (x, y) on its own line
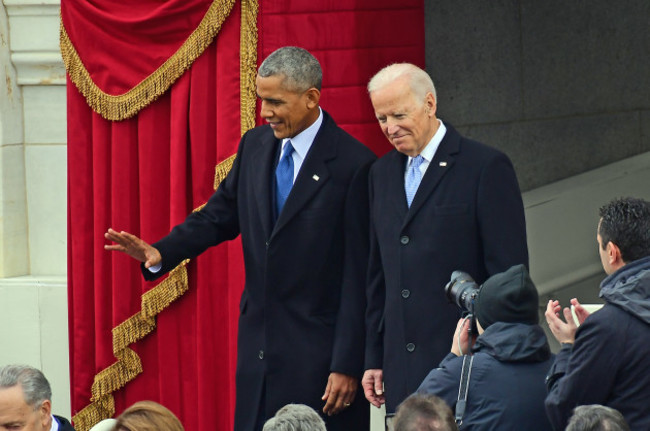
(263, 163)
(443, 161)
(395, 184)
(313, 174)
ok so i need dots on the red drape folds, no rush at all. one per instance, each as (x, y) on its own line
(145, 174)
(123, 43)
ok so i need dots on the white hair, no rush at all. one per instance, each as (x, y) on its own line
(419, 80)
(295, 417)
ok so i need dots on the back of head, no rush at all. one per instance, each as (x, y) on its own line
(508, 296)
(419, 80)
(300, 69)
(295, 417)
(148, 416)
(626, 223)
(35, 386)
(596, 418)
(422, 412)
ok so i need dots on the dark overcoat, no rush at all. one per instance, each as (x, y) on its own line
(467, 215)
(301, 311)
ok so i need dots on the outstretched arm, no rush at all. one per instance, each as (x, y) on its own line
(133, 246)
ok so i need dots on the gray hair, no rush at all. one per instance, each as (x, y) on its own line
(419, 80)
(36, 388)
(295, 417)
(424, 412)
(300, 69)
(595, 417)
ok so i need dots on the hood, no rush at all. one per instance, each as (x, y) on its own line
(514, 342)
(629, 288)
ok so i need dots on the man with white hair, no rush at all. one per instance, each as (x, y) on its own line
(26, 401)
(439, 203)
(295, 417)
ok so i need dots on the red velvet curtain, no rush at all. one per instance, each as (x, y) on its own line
(146, 173)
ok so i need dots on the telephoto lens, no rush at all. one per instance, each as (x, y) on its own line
(463, 290)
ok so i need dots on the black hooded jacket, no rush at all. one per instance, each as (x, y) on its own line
(506, 389)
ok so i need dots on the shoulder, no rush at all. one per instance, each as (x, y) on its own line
(343, 139)
(608, 323)
(64, 424)
(470, 148)
(259, 132)
(389, 159)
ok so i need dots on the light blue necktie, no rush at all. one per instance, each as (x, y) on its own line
(284, 177)
(413, 178)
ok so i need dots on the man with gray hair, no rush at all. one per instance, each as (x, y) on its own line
(26, 401)
(295, 417)
(594, 417)
(439, 203)
(298, 195)
(424, 412)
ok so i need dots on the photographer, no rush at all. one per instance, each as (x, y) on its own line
(511, 356)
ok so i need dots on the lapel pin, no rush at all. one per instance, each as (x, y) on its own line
(316, 177)
(443, 163)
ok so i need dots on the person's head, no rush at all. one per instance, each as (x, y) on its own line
(508, 296)
(422, 412)
(596, 418)
(295, 417)
(404, 99)
(623, 232)
(25, 399)
(104, 425)
(288, 85)
(147, 416)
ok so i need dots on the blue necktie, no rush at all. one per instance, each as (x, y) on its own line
(413, 178)
(284, 177)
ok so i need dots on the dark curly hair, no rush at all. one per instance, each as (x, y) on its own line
(626, 223)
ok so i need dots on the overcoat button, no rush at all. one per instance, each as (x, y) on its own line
(261, 354)
(404, 240)
(410, 347)
(406, 293)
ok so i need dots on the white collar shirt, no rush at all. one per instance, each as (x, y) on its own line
(429, 150)
(302, 143)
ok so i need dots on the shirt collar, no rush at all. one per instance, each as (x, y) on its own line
(430, 149)
(303, 140)
(55, 424)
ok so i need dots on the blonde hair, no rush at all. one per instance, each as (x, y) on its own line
(419, 80)
(147, 416)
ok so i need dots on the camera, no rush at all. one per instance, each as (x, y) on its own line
(463, 290)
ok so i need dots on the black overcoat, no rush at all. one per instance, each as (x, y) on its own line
(301, 311)
(467, 215)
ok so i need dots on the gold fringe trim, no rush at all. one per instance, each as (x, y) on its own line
(123, 106)
(248, 63)
(128, 364)
(132, 330)
(222, 169)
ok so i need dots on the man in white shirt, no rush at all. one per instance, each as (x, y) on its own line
(439, 202)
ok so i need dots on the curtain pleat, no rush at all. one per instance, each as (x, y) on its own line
(144, 174)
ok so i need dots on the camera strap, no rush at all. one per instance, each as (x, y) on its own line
(463, 389)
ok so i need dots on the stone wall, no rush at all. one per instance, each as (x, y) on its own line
(562, 87)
